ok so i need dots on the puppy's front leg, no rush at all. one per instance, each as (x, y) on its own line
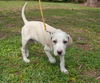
(47, 51)
(62, 64)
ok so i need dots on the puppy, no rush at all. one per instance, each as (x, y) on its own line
(52, 39)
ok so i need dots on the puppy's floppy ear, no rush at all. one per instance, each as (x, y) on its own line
(51, 33)
(70, 41)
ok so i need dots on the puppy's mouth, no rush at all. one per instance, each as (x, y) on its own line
(58, 54)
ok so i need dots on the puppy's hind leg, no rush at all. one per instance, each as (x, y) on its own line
(24, 50)
(47, 51)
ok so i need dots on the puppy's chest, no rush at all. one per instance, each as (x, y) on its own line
(47, 40)
(49, 43)
(44, 38)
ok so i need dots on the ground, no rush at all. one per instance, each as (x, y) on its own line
(82, 59)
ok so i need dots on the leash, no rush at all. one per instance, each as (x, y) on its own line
(41, 10)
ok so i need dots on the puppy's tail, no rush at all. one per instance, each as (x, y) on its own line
(23, 15)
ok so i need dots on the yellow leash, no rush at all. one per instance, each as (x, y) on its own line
(41, 10)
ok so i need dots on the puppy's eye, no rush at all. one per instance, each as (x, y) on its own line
(55, 41)
(64, 42)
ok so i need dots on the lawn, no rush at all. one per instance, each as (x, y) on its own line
(82, 59)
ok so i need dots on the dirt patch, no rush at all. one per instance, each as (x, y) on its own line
(92, 73)
(1, 9)
(9, 25)
(84, 47)
(6, 9)
(83, 43)
(84, 4)
(2, 36)
(57, 17)
(5, 34)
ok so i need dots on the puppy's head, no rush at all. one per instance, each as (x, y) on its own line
(60, 40)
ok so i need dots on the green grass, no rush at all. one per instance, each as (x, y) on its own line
(82, 59)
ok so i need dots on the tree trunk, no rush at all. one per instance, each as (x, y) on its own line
(76, 0)
(91, 3)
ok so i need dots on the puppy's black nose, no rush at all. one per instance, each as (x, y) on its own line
(59, 52)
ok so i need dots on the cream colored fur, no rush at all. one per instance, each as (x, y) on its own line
(35, 30)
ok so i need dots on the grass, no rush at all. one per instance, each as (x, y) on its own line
(82, 59)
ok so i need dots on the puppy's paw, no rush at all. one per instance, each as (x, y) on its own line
(52, 60)
(26, 60)
(65, 71)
